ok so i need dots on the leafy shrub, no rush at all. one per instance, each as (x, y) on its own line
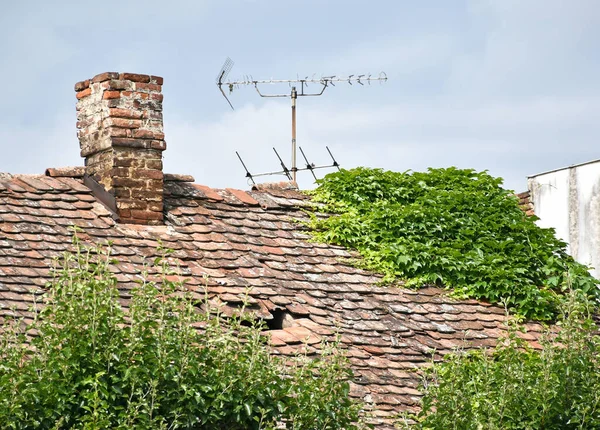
(516, 387)
(457, 228)
(93, 365)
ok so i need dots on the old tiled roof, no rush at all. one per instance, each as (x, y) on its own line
(525, 202)
(234, 240)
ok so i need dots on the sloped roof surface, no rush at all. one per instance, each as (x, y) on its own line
(235, 241)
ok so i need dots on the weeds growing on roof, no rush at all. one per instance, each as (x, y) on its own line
(95, 365)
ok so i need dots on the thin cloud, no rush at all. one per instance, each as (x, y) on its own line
(508, 86)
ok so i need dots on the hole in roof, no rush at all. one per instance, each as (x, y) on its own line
(281, 319)
(262, 260)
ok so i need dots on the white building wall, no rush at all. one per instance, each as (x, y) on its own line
(569, 200)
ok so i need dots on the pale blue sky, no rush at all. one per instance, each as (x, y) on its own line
(505, 85)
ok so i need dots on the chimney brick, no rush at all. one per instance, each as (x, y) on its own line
(120, 131)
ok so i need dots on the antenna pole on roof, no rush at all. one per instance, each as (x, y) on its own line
(294, 96)
(324, 81)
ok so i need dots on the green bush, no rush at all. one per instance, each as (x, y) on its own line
(456, 228)
(516, 387)
(93, 365)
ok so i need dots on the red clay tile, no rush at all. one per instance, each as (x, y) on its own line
(209, 192)
(243, 196)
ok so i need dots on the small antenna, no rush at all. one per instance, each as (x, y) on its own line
(324, 81)
(287, 172)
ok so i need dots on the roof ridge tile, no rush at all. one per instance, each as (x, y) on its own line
(69, 172)
(243, 196)
(282, 185)
(175, 177)
(209, 192)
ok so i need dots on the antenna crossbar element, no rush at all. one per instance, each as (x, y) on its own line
(335, 163)
(285, 169)
(309, 166)
(248, 174)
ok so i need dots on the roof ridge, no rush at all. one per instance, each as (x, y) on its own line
(176, 177)
(25, 175)
(281, 186)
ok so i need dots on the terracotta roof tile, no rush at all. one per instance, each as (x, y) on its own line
(71, 172)
(243, 197)
(236, 243)
(208, 192)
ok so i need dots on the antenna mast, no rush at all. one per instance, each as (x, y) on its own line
(324, 81)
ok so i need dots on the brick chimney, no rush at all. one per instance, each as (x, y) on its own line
(120, 131)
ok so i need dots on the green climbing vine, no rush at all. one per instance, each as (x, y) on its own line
(452, 227)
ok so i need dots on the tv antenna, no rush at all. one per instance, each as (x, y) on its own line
(324, 81)
(290, 173)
